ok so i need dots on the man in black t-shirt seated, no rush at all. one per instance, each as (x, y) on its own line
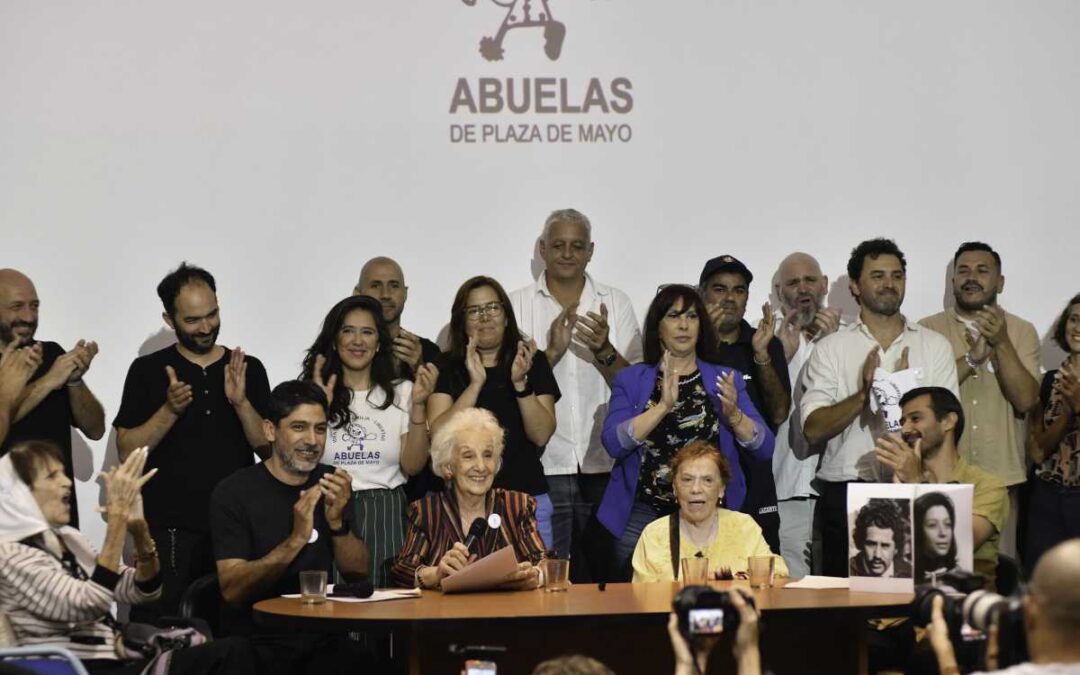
(285, 515)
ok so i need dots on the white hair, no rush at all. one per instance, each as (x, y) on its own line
(566, 216)
(445, 442)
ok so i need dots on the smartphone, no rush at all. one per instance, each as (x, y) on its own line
(474, 667)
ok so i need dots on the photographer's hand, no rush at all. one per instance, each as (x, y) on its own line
(747, 655)
(938, 632)
(684, 657)
(991, 660)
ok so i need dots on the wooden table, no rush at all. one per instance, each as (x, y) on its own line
(803, 631)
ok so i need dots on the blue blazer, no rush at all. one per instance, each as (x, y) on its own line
(630, 393)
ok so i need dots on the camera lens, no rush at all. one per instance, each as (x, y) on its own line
(979, 609)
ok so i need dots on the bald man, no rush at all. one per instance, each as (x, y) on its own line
(801, 320)
(383, 279)
(1051, 618)
(56, 398)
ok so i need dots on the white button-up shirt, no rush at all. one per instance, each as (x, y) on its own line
(793, 476)
(579, 414)
(833, 373)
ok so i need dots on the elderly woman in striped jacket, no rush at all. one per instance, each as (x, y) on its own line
(56, 590)
(467, 452)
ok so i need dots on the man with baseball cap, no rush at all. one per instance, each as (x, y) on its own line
(759, 356)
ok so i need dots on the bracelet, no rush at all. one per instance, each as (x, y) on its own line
(971, 362)
(147, 556)
(524, 393)
(75, 383)
(741, 416)
(767, 361)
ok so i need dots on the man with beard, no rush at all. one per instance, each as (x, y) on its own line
(759, 356)
(927, 451)
(997, 362)
(588, 332)
(269, 526)
(56, 398)
(835, 405)
(383, 279)
(199, 408)
(879, 537)
(801, 321)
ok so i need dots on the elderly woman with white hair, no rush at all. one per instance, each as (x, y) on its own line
(467, 451)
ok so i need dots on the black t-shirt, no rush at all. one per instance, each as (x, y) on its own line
(204, 446)
(760, 487)
(425, 481)
(521, 467)
(51, 420)
(251, 514)
(429, 352)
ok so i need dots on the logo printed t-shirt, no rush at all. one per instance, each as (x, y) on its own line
(369, 445)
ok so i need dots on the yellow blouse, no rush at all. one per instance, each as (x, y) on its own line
(737, 538)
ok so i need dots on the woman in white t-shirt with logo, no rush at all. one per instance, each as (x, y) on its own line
(378, 424)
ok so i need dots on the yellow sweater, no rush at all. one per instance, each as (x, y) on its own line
(737, 538)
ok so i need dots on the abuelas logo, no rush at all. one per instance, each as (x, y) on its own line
(603, 99)
(356, 437)
(524, 14)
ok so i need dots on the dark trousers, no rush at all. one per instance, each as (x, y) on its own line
(830, 518)
(575, 530)
(228, 656)
(310, 654)
(185, 556)
(640, 516)
(1053, 516)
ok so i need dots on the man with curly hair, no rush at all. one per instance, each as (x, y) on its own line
(879, 535)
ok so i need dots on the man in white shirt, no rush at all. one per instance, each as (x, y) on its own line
(589, 332)
(801, 321)
(836, 402)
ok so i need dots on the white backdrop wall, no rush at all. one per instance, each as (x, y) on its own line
(280, 144)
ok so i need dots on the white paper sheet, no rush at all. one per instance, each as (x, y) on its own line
(815, 582)
(484, 574)
(377, 596)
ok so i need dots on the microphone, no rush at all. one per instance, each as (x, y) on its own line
(355, 589)
(479, 528)
(476, 531)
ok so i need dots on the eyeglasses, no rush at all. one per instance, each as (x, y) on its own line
(477, 312)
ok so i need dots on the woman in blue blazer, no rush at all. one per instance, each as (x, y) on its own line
(677, 395)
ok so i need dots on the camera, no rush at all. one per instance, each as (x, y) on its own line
(704, 611)
(969, 612)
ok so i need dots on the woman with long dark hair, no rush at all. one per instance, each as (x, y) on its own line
(378, 423)
(1054, 510)
(935, 537)
(676, 396)
(490, 365)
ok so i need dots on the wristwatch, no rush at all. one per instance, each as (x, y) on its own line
(608, 360)
(340, 531)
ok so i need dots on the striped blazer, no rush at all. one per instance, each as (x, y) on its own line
(48, 605)
(433, 525)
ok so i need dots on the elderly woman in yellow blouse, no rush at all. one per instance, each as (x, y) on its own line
(701, 527)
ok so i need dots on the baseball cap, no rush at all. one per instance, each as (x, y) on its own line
(725, 263)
